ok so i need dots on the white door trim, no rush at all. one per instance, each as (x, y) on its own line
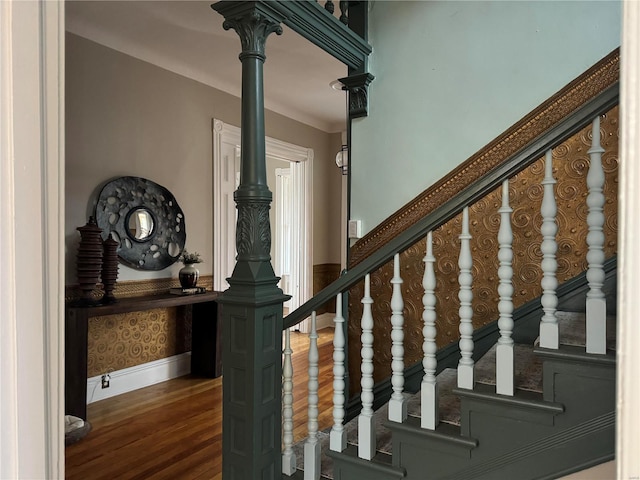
(301, 159)
(282, 253)
(32, 239)
(628, 334)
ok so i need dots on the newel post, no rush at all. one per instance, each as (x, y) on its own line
(252, 306)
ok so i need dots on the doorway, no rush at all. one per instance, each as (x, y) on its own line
(284, 254)
(289, 179)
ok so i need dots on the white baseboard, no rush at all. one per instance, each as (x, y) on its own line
(140, 376)
(322, 321)
(133, 378)
(325, 320)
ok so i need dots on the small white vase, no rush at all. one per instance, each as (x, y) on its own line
(189, 275)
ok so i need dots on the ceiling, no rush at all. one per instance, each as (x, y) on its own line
(186, 37)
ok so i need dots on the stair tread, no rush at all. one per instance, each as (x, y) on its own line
(572, 329)
(527, 368)
(448, 403)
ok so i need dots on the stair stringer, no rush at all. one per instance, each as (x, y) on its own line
(565, 451)
(426, 452)
(585, 383)
(348, 466)
(529, 436)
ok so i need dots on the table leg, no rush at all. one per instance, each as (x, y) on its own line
(206, 340)
(75, 388)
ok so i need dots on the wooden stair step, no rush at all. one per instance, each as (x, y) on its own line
(528, 368)
(572, 329)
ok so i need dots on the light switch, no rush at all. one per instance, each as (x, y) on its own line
(355, 228)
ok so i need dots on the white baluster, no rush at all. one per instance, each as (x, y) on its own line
(465, 262)
(288, 456)
(338, 436)
(505, 361)
(549, 283)
(312, 445)
(366, 431)
(429, 387)
(397, 403)
(596, 302)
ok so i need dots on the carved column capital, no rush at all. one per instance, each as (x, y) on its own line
(252, 21)
(358, 87)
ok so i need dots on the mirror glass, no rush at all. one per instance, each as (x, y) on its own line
(140, 224)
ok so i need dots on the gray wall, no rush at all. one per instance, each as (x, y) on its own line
(452, 75)
(128, 117)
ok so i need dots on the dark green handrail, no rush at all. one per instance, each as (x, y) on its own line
(571, 124)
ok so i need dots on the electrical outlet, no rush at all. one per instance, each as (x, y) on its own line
(105, 380)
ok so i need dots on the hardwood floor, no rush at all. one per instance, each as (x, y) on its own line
(173, 430)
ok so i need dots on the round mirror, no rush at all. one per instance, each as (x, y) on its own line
(145, 219)
(140, 224)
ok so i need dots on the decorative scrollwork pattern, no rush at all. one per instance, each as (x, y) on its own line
(571, 163)
(125, 340)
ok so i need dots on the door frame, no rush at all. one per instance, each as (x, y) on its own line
(301, 160)
(281, 211)
(32, 274)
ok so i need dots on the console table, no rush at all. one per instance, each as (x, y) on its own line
(206, 347)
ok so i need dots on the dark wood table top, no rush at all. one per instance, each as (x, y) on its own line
(146, 302)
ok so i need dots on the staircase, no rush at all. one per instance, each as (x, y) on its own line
(545, 430)
(530, 394)
(485, 435)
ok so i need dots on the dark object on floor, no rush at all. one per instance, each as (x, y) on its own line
(77, 434)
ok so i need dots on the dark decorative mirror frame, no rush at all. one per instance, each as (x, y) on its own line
(146, 221)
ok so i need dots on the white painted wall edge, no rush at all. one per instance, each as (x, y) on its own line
(140, 376)
(628, 394)
(32, 187)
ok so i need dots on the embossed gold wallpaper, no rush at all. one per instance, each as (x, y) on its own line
(571, 162)
(125, 340)
(129, 339)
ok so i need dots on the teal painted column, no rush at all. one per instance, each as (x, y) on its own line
(252, 306)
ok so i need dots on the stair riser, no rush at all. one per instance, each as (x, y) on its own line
(428, 458)
(550, 459)
(585, 390)
(530, 435)
(347, 466)
(532, 456)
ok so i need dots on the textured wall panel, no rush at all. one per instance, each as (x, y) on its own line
(571, 161)
(125, 340)
(129, 339)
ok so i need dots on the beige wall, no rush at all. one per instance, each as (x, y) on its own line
(128, 117)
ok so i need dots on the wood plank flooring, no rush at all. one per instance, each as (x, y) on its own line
(173, 430)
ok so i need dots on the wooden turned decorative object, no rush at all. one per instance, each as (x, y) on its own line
(89, 261)
(109, 269)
